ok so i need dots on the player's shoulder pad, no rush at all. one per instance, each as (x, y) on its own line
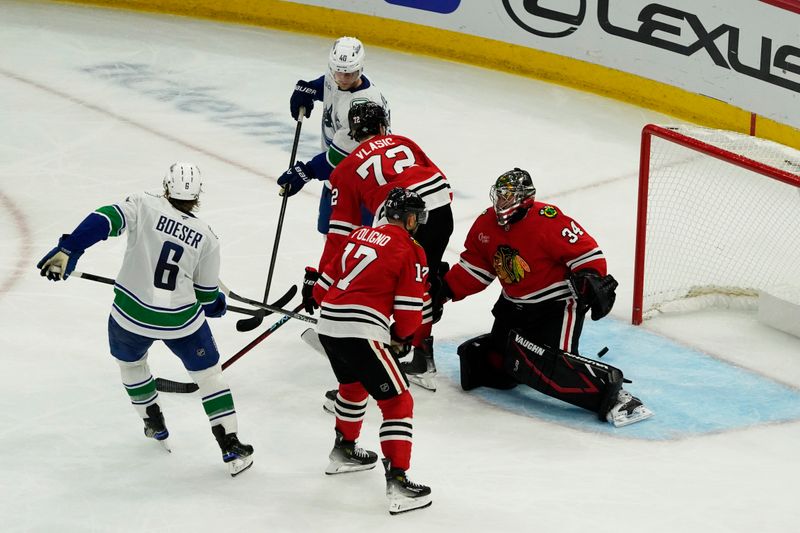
(548, 211)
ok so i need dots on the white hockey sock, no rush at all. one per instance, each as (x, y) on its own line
(139, 384)
(217, 398)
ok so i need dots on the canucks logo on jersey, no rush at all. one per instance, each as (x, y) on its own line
(508, 264)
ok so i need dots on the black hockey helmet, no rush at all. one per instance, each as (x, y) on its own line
(365, 119)
(512, 196)
(402, 202)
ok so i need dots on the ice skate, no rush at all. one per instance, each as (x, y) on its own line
(627, 410)
(347, 457)
(421, 370)
(330, 401)
(403, 494)
(155, 427)
(238, 456)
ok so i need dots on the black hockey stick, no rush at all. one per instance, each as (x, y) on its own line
(167, 385)
(271, 308)
(248, 324)
(231, 308)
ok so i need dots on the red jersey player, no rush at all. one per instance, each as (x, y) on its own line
(379, 273)
(551, 272)
(364, 178)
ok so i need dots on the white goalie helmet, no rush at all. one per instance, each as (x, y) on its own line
(347, 55)
(183, 181)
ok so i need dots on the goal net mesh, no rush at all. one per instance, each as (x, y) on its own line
(720, 220)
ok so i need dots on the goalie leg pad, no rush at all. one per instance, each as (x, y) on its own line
(477, 370)
(570, 378)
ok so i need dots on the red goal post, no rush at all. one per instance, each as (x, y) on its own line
(718, 218)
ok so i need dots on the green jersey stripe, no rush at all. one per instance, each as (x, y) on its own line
(140, 313)
(114, 216)
(334, 156)
(205, 297)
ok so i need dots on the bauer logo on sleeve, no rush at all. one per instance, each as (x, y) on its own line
(437, 6)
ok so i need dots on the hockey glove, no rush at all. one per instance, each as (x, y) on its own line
(293, 179)
(400, 346)
(310, 279)
(443, 293)
(303, 96)
(217, 308)
(594, 291)
(59, 262)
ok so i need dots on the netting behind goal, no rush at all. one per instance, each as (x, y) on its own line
(718, 219)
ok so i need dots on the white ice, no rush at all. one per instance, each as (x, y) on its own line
(73, 455)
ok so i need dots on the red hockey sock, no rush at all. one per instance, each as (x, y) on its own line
(352, 402)
(422, 333)
(396, 429)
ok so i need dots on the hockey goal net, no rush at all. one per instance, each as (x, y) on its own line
(718, 219)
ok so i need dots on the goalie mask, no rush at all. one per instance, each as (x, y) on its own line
(365, 119)
(347, 55)
(183, 182)
(402, 202)
(512, 196)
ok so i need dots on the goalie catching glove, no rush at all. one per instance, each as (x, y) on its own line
(594, 291)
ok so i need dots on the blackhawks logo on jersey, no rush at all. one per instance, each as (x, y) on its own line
(548, 211)
(508, 265)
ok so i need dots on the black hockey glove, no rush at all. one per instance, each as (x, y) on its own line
(309, 280)
(303, 96)
(293, 179)
(59, 262)
(443, 293)
(400, 346)
(594, 291)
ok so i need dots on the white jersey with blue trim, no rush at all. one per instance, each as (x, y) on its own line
(170, 268)
(336, 106)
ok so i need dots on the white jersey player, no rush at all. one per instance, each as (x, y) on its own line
(343, 86)
(168, 284)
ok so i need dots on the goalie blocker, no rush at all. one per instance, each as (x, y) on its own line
(570, 378)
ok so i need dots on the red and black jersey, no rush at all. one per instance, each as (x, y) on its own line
(377, 273)
(532, 259)
(366, 176)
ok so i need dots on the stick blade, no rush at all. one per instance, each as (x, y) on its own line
(167, 385)
(249, 324)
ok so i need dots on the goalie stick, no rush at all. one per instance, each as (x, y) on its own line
(283, 300)
(248, 324)
(167, 385)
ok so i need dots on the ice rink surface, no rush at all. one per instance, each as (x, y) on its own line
(98, 103)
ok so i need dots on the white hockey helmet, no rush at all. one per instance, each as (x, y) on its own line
(183, 181)
(347, 55)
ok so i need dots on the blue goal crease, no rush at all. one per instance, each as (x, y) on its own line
(691, 393)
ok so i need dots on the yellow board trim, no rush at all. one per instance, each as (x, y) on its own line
(489, 53)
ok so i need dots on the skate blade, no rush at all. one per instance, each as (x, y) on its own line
(425, 380)
(409, 504)
(345, 468)
(239, 465)
(639, 414)
(329, 407)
